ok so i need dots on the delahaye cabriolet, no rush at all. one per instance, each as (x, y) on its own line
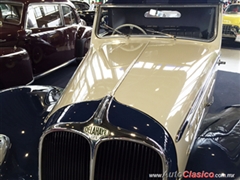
(134, 106)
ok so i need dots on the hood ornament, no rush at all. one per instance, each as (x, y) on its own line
(101, 110)
(94, 130)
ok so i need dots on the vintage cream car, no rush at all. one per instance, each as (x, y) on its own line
(231, 22)
(133, 107)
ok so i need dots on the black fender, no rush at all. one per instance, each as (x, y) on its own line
(82, 43)
(15, 67)
(22, 113)
(217, 148)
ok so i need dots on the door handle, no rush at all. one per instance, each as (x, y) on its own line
(221, 62)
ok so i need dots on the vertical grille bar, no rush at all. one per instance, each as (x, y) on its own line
(227, 29)
(65, 156)
(126, 160)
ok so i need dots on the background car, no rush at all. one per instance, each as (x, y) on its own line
(231, 22)
(51, 32)
(84, 11)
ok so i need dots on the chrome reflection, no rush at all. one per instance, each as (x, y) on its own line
(4, 147)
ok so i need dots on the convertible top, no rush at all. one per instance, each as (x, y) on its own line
(164, 1)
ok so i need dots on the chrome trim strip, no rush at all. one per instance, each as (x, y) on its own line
(196, 104)
(53, 69)
(30, 82)
(228, 35)
(129, 68)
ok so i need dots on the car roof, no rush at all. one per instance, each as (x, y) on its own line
(26, 2)
(164, 1)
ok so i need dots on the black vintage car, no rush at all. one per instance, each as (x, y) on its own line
(37, 37)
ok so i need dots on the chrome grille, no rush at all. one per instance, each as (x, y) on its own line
(65, 156)
(228, 29)
(126, 160)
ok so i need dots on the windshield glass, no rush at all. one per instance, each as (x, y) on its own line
(233, 9)
(171, 22)
(10, 12)
(81, 5)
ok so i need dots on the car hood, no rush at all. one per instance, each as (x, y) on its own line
(233, 19)
(159, 79)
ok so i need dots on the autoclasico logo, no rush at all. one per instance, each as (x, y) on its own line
(203, 174)
(192, 174)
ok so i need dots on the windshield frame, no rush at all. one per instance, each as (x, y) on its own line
(104, 6)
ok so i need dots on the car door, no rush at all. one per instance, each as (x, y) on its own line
(70, 29)
(48, 40)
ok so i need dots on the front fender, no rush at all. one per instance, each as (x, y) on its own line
(22, 113)
(217, 148)
(15, 67)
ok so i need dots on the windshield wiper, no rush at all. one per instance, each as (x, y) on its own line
(114, 30)
(161, 33)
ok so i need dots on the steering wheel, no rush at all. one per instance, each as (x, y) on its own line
(5, 18)
(9, 15)
(128, 25)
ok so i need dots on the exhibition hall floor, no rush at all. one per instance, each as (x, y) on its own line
(231, 55)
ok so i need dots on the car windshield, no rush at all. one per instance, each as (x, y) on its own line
(195, 22)
(233, 9)
(10, 12)
(81, 5)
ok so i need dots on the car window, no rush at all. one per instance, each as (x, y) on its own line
(68, 15)
(81, 5)
(172, 22)
(43, 16)
(233, 9)
(11, 12)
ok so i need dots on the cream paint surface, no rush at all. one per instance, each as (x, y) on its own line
(168, 79)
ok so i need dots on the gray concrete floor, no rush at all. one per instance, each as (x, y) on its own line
(230, 53)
